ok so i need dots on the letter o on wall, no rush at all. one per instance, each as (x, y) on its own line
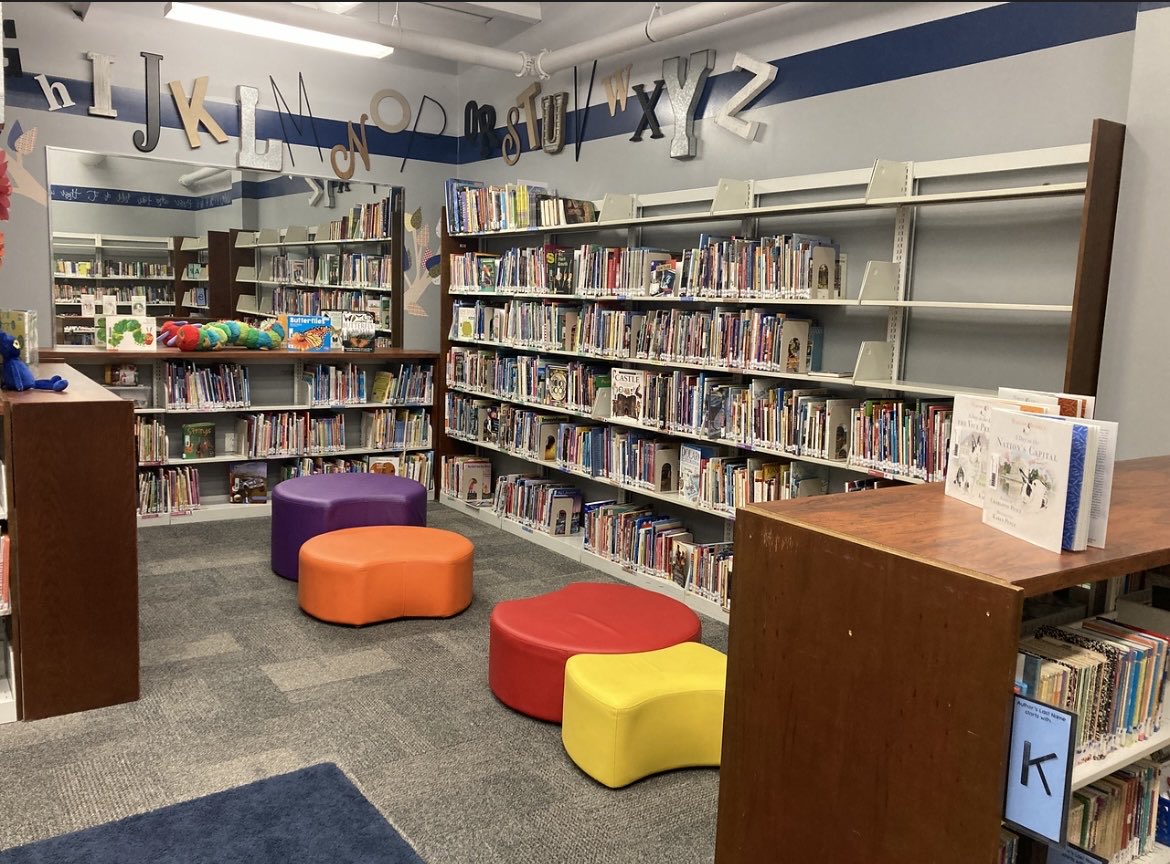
(376, 105)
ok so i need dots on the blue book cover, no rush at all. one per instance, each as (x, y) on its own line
(1076, 477)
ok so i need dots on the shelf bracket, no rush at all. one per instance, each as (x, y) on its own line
(616, 208)
(731, 195)
(889, 179)
(880, 281)
(875, 362)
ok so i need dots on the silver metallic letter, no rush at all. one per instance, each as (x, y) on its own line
(765, 74)
(684, 85)
(271, 159)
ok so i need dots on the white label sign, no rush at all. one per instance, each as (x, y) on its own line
(1072, 855)
(1039, 769)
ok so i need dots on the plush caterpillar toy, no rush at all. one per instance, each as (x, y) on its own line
(187, 336)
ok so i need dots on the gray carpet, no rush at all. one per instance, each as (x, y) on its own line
(238, 684)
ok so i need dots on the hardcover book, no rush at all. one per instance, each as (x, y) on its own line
(557, 384)
(387, 465)
(248, 483)
(626, 393)
(967, 459)
(1032, 476)
(308, 333)
(487, 271)
(125, 332)
(357, 331)
(558, 269)
(793, 354)
(138, 305)
(22, 324)
(120, 375)
(198, 440)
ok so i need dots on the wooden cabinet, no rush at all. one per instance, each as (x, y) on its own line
(871, 659)
(74, 554)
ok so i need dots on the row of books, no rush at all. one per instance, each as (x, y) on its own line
(544, 505)
(638, 539)
(157, 293)
(168, 490)
(195, 270)
(206, 385)
(396, 429)
(468, 478)
(363, 222)
(783, 266)
(701, 474)
(1009, 847)
(1116, 817)
(1037, 463)
(727, 338)
(150, 439)
(415, 466)
(351, 384)
(412, 383)
(287, 433)
(289, 300)
(137, 269)
(474, 206)
(331, 269)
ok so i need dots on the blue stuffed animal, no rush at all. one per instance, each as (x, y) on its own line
(15, 374)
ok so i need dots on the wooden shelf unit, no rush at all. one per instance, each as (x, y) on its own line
(274, 388)
(69, 461)
(871, 660)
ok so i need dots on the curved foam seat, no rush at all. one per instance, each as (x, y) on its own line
(363, 575)
(530, 639)
(304, 507)
(628, 716)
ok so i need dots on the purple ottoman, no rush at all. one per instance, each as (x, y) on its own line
(304, 507)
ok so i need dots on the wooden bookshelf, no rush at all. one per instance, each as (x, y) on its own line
(870, 666)
(74, 556)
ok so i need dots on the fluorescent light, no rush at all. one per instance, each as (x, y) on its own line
(192, 13)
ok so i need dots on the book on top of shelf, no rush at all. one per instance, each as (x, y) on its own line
(88, 305)
(109, 304)
(1039, 469)
(248, 483)
(1067, 404)
(125, 332)
(198, 440)
(138, 305)
(21, 324)
(308, 333)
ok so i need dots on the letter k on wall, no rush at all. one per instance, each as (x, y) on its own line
(193, 112)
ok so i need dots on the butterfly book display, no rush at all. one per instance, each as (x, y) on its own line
(308, 333)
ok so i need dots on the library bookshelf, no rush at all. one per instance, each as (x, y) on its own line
(282, 390)
(919, 319)
(268, 268)
(874, 648)
(73, 565)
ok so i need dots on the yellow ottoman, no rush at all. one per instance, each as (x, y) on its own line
(628, 716)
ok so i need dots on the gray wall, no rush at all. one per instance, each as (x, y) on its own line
(52, 40)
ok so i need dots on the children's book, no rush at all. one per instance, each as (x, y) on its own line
(125, 332)
(248, 483)
(198, 440)
(357, 331)
(1036, 474)
(968, 469)
(383, 465)
(692, 458)
(626, 393)
(308, 333)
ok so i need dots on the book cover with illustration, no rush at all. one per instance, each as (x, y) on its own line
(387, 465)
(308, 333)
(558, 264)
(565, 518)
(967, 467)
(837, 425)
(198, 440)
(357, 331)
(626, 393)
(692, 458)
(120, 375)
(557, 384)
(1030, 476)
(125, 332)
(682, 563)
(248, 483)
(475, 481)
(487, 271)
(465, 322)
(822, 273)
(793, 353)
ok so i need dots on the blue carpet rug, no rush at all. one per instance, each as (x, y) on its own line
(314, 815)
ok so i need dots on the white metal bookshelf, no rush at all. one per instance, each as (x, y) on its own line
(260, 273)
(890, 287)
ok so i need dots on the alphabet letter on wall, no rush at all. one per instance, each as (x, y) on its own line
(684, 85)
(353, 144)
(102, 90)
(193, 112)
(764, 74)
(148, 140)
(272, 159)
(56, 94)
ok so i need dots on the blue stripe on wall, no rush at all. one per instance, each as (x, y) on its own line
(999, 31)
(127, 198)
(1148, 6)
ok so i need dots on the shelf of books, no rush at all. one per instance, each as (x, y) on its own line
(109, 275)
(216, 431)
(347, 265)
(691, 352)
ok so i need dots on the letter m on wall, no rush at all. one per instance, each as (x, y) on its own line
(296, 121)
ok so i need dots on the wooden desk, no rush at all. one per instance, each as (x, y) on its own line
(871, 657)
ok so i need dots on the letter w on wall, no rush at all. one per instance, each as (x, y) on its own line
(193, 112)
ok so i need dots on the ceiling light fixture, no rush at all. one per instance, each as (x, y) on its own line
(193, 13)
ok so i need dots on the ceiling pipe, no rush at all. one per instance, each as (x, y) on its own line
(685, 21)
(201, 175)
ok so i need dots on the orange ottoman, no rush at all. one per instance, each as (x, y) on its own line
(379, 572)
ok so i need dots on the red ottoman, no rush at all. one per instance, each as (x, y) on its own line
(531, 639)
